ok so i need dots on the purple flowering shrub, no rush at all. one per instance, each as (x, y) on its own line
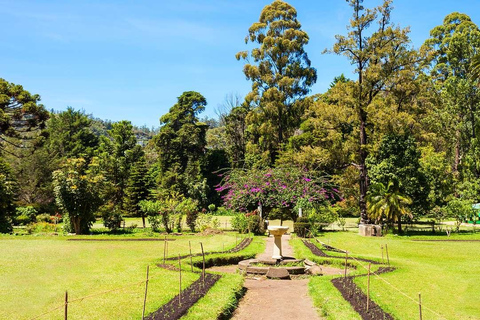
(273, 188)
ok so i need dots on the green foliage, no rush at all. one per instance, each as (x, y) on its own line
(181, 145)
(25, 215)
(322, 216)
(459, 209)
(70, 135)
(240, 223)
(450, 53)
(77, 187)
(153, 210)
(44, 217)
(189, 208)
(302, 227)
(8, 192)
(112, 220)
(388, 203)
(138, 186)
(42, 226)
(255, 224)
(19, 110)
(281, 76)
(398, 161)
(118, 153)
(205, 221)
(385, 63)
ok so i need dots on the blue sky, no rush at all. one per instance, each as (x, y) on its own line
(131, 59)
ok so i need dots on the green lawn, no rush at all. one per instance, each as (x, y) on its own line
(446, 273)
(36, 271)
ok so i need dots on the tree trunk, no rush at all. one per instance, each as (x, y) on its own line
(77, 225)
(363, 169)
(457, 153)
(399, 224)
(143, 221)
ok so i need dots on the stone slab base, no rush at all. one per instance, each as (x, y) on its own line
(370, 230)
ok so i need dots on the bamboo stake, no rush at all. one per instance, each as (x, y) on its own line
(383, 261)
(386, 250)
(368, 286)
(164, 249)
(66, 305)
(203, 268)
(420, 304)
(145, 298)
(180, 284)
(346, 258)
(191, 263)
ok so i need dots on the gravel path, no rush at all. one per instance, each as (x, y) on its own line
(276, 299)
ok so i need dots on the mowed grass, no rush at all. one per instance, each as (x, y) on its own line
(447, 274)
(36, 271)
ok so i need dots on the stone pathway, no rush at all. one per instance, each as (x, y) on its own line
(276, 299)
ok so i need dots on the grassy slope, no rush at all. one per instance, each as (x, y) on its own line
(446, 273)
(36, 271)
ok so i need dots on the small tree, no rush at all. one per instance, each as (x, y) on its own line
(460, 210)
(389, 203)
(77, 188)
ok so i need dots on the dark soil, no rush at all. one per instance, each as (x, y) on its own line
(358, 299)
(135, 239)
(242, 245)
(319, 252)
(175, 309)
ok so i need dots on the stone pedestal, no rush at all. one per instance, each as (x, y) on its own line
(370, 230)
(277, 232)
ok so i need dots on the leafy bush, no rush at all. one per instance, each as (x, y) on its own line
(25, 215)
(152, 209)
(205, 221)
(112, 220)
(255, 224)
(301, 227)
(240, 223)
(322, 216)
(154, 221)
(460, 210)
(44, 217)
(222, 211)
(41, 227)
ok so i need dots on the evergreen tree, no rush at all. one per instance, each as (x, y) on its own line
(138, 186)
(281, 76)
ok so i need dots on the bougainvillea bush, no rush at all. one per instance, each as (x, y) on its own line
(281, 187)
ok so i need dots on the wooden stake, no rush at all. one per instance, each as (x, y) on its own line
(203, 268)
(383, 261)
(167, 247)
(180, 284)
(386, 250)
(420, 304)
(191, 263)
(346, 258)
(145, 298)
(66, 305)
(164, 249)
(368, 286)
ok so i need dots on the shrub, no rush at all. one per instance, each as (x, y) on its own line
(44, 217)
(322, 216)
(255, 224)
(25, 215)
(302, 226)
(41, 227)
(240, 223)
(205, 221)
(112, 220)
(154, 221)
